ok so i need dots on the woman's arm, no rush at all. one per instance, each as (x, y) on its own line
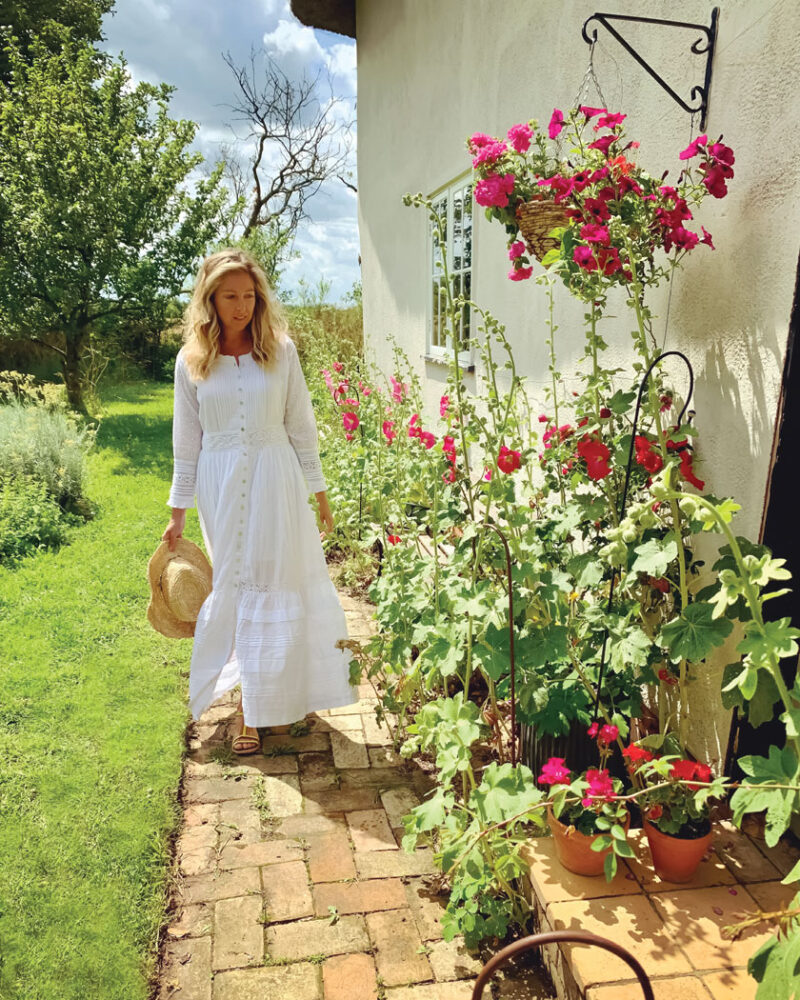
(187, 437)
(298, 418)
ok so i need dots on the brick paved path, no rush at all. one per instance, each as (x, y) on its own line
(291, 882)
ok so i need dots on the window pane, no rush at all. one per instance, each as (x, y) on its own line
(467, 225)
(458, 239)
(466, 311)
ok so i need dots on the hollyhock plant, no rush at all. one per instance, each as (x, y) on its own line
(350, 421)
(508, 460)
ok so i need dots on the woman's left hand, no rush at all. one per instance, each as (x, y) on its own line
(325, 515)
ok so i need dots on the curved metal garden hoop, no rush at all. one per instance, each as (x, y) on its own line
(554, 937)
(623, 502)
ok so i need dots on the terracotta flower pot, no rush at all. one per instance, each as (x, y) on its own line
(574, 849)
(676, 858)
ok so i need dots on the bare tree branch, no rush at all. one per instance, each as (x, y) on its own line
(300, 143)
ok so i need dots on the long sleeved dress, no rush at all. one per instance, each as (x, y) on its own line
(245, 444)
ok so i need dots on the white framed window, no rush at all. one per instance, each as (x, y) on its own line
(454, 205)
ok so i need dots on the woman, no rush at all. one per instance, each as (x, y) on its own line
(245, 444)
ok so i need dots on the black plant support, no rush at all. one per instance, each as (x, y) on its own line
(624, 500)
(556, 937)
(512, 692)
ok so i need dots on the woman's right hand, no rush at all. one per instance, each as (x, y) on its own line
(174, 529)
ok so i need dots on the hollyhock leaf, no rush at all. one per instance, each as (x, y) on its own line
(504, 791)
(586, 568)
(630, 649)
(654, 557)
(695, 633)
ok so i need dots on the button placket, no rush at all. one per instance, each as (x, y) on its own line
(243, 424)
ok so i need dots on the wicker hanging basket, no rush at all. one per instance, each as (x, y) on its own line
(536, 219)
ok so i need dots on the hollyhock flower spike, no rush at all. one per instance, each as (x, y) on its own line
(556, 124)
(350, 421)
(399, 389)
(388, 430)
(427, 439)
(414, 429)
(554, 772)
(444, 404)
(596, 455)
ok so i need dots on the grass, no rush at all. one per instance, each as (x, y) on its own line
(92, 721)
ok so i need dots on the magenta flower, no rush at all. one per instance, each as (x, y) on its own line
(349, 421)
(444, 404)
(608, 734)
(693, 148)
(338, 367)
(722, 154)
(714, 180)
(554, 772)
(487, 473)
(479, 140)
(594, 233)
(610, 121)
(414, 428)
(600, 787)
(597, 209)
(490, 153)
(516, 250)
(520, 273)
(593, 730)
(683, 239)
(493, 191)
(602, 143)
(707, 238)
(520, 137)
(389, 431)
(560, 186)
(427, 439)
(556, 124)
(591, 112)
(399, 389)
(584, 258)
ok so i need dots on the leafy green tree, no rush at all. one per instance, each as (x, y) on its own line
(25, 19)
(96, 218)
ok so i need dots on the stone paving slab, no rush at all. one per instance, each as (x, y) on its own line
(286, 892)
(290, 982)
(359, 897)
(306, 938)
(349, 977)
(398, 948)
(186, 970)
(370, 830)
(238, 933)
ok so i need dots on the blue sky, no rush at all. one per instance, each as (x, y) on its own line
(182, 42)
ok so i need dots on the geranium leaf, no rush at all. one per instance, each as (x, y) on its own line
(695, 633)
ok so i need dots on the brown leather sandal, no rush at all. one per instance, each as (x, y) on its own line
(246, 743)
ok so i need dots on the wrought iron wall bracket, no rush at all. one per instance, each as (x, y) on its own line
(704, 44)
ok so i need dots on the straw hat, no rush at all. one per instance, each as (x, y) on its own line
(179, 583)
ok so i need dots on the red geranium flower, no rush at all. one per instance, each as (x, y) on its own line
(637, 755)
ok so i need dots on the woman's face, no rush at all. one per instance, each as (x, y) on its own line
(235, 302)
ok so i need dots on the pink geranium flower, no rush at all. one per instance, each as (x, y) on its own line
(600, 787)
(554, 772)
(520, 273)
(594, 233)
(516, 250)
(520, 137)
(608, 734)
(490, 153)
(478, 140)
(493, 191)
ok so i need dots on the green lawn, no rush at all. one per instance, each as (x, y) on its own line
(92, 720)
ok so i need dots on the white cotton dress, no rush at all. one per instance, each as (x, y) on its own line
(245, 444)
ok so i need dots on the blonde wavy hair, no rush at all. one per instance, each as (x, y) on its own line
(202, 331)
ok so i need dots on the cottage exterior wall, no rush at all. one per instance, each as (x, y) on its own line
(432, 73)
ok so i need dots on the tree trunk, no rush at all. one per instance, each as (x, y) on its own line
(71, 364)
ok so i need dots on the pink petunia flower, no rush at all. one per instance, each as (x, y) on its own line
(594, 233)
(602, 143)
(707, 238)
(556, 123)
(693, 148)
(610, 121)
(591, 112)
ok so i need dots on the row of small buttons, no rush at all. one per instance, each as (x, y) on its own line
(244, 478)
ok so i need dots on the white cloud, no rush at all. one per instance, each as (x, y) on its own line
(294, 47)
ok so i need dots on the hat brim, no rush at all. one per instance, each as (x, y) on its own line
(158, 612)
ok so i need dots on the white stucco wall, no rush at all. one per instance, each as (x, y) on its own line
(429, 74)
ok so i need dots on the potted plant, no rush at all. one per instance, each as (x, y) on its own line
(587, 819)
(675, 809)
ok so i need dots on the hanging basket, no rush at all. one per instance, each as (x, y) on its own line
(536, 219)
